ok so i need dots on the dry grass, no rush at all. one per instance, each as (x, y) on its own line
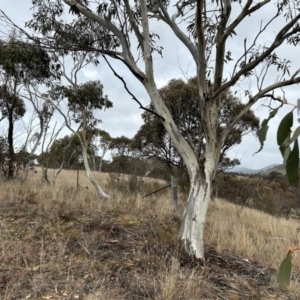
(68, 178)
(251, 233)
(63, 243)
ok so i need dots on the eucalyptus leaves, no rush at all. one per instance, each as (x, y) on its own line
(287, 141)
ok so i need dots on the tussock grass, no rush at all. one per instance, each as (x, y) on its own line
(63, 243)
(251, 233)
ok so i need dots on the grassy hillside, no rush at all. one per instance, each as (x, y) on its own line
(68, 178)
(63, 243)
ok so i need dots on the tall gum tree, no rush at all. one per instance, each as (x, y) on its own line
(43, 111)
(12, 107)
(84, 100)
(111, 28)
(21, 63)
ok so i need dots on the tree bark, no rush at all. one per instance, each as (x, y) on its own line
(193, 221)
(200, 195)
(25, 171)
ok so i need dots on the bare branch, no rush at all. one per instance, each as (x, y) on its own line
(296, 73)
(261, 94)
(201, 67)
(282, 35)
(179, 33)
(128, 91)
(220, 44)
(133, 23)
(246, 51)
(245, 12)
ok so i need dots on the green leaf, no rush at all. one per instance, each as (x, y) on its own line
(284, 128)
(285, 272)
(262, 132)
(292, 165)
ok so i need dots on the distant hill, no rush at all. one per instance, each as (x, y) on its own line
(266, 170)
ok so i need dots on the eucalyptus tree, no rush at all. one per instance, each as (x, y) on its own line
(66, 151)
(43, 112)
(21, 63)
(113, 29)
(153, 141)
(12, 108)
(50, 136)
(100, 145)
(84, 101)
(120, 146)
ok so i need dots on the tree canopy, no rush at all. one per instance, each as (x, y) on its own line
(83, 98)
(21, 64)
(67, 150)
(181, 97)
(26, 62)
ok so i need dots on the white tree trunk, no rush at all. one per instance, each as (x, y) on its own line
(25, 171)
(194, 218)
(105, 148)
(37, 142)
(90, 174)
(56, 173)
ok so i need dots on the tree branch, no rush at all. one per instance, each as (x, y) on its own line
(245, 12)
(179, 33)
(201, 67)
(261, 94)
(220, 45)
(133, 23)
(120, 35)
(128, 91)
(279, 39)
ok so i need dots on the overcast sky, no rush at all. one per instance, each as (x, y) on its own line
(125, 117)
